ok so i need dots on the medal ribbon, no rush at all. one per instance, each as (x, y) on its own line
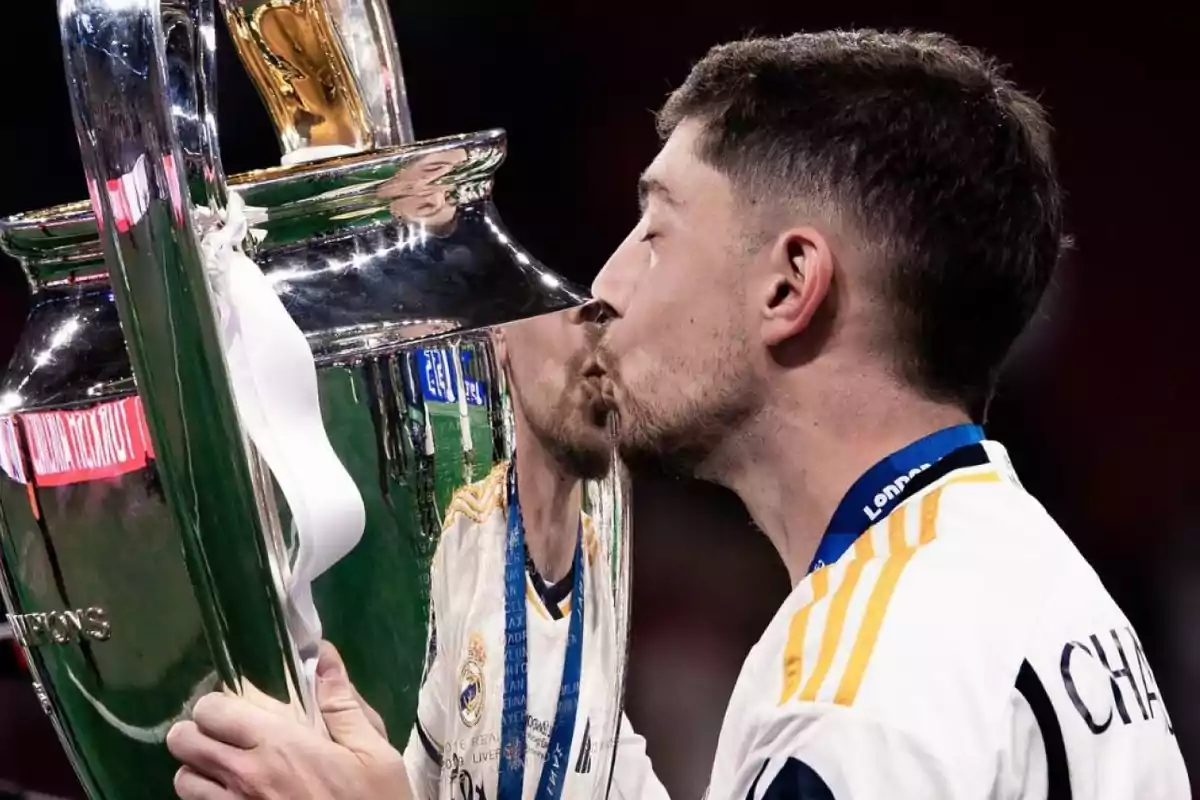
(516, 654)
(881, 489)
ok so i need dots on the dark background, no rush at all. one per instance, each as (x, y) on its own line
(1098, 407)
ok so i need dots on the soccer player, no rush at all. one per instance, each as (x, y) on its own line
(479, 734)
(841, 239)
(462, 745)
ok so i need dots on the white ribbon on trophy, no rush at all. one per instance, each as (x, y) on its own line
(274, 382)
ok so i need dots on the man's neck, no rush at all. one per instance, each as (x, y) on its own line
(792, 471)
(550, 507)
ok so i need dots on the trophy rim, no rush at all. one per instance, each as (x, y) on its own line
(321, 204)
(64, 237)
(385, 156)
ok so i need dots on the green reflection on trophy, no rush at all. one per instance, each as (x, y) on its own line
(146, 544)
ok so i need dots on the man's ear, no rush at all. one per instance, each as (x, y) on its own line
(801, 272)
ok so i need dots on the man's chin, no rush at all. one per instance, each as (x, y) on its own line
(672, 456)
(645, 461)
(589, 464)
(588, 453)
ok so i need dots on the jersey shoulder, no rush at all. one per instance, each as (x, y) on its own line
(478, 501)
(915, 582)
(934, 626)
(936, 606)
(474, 525)
(991, 547)
(486, 500)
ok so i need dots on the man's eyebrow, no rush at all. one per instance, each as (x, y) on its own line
(648, 186)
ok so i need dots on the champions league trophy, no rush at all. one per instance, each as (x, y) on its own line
(241, 409)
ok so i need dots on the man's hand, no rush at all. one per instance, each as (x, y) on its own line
(236, 749)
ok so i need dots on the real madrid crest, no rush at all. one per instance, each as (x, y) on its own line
(471, 687)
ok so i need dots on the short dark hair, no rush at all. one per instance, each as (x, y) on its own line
(926, 148)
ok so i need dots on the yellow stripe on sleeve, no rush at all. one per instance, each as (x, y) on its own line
(900, 553)
(990, 476)
(889, 577)
(930, 504)
(793, 656)
(864, 549)
(885, 587)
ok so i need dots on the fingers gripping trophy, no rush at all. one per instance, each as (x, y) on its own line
(329, 402)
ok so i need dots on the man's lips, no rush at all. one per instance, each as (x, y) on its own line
(592, 368)
(599, 383)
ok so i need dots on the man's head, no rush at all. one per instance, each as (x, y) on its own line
(826, 205)
(547, 360)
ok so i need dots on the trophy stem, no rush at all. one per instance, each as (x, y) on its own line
(328, 72)
(131, 150)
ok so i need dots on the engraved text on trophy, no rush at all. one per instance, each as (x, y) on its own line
(61, 627)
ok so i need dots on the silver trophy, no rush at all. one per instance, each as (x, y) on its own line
(189, 502)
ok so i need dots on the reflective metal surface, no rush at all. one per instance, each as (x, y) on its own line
(144, 547)
(328, 71)
(131, 149)
(420, 425)
(555, 435)
(367, 36)
(189, 47)
(368, 251)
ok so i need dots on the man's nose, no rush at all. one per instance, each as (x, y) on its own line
(614, 286)
(593, 312)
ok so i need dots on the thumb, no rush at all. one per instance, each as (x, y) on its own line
(345, 718)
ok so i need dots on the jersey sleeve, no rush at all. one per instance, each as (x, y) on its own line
(633, 774)
(837, 753)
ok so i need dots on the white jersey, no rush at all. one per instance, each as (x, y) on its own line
(454, 749)
(961, 648)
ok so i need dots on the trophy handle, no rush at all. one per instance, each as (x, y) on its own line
(366, 31)
(140, 75)
(189, 43)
